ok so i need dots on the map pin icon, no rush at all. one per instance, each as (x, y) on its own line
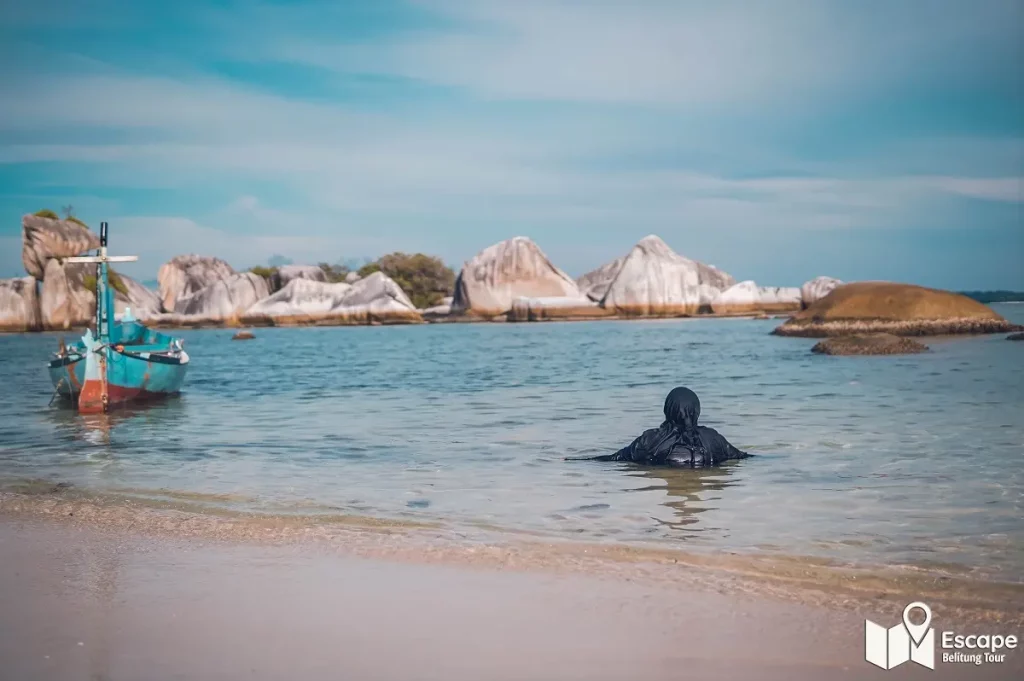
(917, 631)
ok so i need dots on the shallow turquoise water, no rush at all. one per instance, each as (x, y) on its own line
(887, 460)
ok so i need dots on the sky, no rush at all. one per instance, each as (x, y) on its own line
(869, 139)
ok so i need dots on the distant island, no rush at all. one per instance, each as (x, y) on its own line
(995, 296)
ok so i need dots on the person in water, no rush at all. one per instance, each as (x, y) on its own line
(679, 441)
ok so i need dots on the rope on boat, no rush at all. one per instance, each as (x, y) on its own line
(55, 391)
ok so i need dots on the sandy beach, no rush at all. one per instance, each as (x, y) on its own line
(110, 590)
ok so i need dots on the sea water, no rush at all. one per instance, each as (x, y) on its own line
(915, 460)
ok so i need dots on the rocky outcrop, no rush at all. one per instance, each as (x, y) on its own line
(144, 303)
(352, 277)
(68, 296)
(655, 281)
(185, 275)
(19, 305)
(747, 297)
(287, 273)
(224, 299)
(443, 309)
(780, 298)
(742, 298)
(65, 302)
(549, 309)
(300, 301)
(376, 299)
(814, 290)
(594, 284)
(871, 344)
(373, 300)
(899, 309)
(499, 274)
(1016, 336)
(44, 239)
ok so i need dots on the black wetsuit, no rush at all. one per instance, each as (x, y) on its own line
(679, 441)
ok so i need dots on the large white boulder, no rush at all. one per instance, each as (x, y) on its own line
(499, 274)
(65, 299)
(224, 299)
(373, 300)
(19, 305)
(300, 300)
(741, 298)
(747, 297)
(553, 308)
(816, 289)
(655, 281)
(780, 298)
(376, 299)
(184, 275)
(144, 303)
(43, 239)
(594, 284)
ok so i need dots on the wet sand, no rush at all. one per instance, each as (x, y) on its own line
(114, 592)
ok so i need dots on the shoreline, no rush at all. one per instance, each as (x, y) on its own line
(786, 578)
(201, 324)
(164, 594)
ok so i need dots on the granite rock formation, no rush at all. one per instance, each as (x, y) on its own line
(224, 299)
(65, 302)
(375, 299)
(655, 281)
(497, 275)
(549, 309)
(814, 290)
(44, 239)
(185, 275)
(19, 305)
(781, 298)
(594, 284)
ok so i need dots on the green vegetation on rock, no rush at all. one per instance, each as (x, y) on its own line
(72, 218)
(46, 213)
(265, 272)
(334, 273)
(424, 278)
(116, 283)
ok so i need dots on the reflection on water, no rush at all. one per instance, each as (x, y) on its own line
(916, 459)
(689, 492)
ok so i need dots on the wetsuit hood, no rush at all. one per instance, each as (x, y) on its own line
(682, 409)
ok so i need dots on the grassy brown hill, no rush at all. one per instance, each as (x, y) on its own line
(900, 309)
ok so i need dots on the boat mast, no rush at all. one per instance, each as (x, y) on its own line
(104, 294)
(103, 304)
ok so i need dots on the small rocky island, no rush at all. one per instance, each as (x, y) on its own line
(899, 309)
(869, 344)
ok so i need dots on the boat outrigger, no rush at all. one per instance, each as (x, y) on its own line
(124, 361)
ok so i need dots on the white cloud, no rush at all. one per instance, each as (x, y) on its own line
(1009, 189)
(684, 54)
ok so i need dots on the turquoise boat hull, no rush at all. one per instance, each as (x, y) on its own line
(141, 364)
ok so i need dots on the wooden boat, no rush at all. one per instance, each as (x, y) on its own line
(123, 361)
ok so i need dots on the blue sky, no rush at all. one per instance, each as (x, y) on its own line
(779, 141)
